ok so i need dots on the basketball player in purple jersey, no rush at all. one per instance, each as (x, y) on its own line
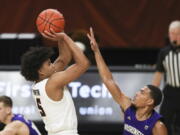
(16, 124)
(140, 118)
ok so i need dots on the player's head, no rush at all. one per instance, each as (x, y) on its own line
(5, 107)
(36, 63)
(148, 96)
(174, 33)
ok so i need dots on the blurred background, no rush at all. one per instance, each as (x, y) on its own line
(130, 35)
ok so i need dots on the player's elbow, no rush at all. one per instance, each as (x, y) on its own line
(85, 65)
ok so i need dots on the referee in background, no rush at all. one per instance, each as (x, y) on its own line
(168, 66)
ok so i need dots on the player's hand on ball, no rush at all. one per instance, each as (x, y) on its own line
(53, 35)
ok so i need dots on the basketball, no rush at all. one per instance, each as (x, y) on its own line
(50, 19)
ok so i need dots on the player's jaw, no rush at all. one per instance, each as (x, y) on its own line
(47, 68)
(4, 112)
(139, 99)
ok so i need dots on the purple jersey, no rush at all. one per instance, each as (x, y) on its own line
(32, 128)
(132, 126)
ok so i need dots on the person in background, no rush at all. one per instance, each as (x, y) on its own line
(15, 124)
(168, 67)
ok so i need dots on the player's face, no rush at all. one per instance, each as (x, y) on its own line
(4, 112)
(174, 36)
(47, 69)
(143, 98)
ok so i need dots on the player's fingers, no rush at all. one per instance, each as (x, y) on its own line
(48, 37)
(91, 43)
(88, 35)
(91, 31)
(44, 35)
(52, 36)
(52, 31)
(49, 33)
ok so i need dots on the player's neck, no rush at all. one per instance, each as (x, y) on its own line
(8, 118)
(40, 79)
(143, 113)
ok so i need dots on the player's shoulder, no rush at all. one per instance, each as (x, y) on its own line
(56, 78)
(16, 124)
(39, 84)
(159, 128)
(19, 119)
(17, 127)
(159, 125)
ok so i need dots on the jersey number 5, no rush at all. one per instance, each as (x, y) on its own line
(43, 114)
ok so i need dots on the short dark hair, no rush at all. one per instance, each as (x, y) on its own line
(32, 61)
(156, 94)
(6, 100)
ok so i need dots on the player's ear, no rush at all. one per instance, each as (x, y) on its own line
(41, 73)
(150, 101)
